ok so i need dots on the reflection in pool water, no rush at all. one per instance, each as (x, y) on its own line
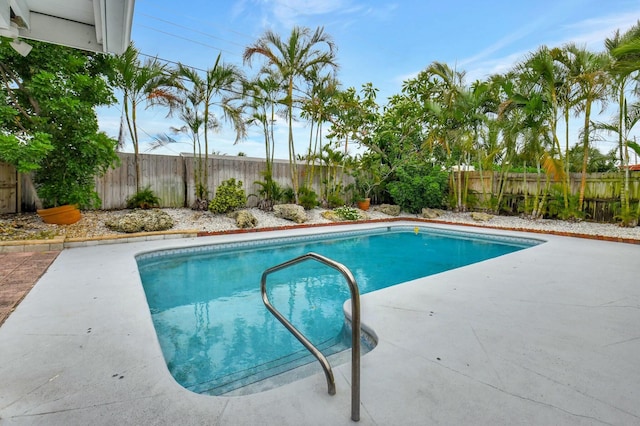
(217, 336)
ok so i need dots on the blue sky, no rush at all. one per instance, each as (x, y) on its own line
(379, 42)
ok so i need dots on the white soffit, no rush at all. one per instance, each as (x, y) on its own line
(94, 25)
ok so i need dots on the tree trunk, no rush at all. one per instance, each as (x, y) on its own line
(585, 156)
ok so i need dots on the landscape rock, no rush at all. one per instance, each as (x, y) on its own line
(330, 215)
(244, 219)
(428, 213)
(481, 217)
(389, 209)
(292, 212)
(334, 217)
(141, 221)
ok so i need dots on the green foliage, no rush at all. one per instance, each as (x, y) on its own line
(556, 208)
(307, 198)
(51, 96)
(229, 196)
(143, 199)
(288, 196)
(418, 185)
(334, 200)
(596, 163)
(67, 174)
(370, 174)
(270, 189)
(270, 192)
(627, 218)
(25, 153)
(347, 213)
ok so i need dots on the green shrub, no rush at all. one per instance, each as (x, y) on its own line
(229, 196)
(270, 192)
(556, 208)
(143, 199)
(307, 198)
(419, 185)
(347, 213)
(288, 196)
(334, 200)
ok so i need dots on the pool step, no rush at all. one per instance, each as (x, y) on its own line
(252, 377)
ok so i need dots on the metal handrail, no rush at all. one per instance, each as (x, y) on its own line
(355, 326)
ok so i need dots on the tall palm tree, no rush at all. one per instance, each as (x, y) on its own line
(262, 100)
(222, 90)
(199, 98)
(294, 59)
(316, 109)
(526, 127)
(190, 95)
(567, 99)
(589, 72)
(542, 79)
(443, 89)
(140, 83)
(624, 67)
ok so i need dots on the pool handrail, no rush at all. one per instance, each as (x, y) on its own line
(355, 326)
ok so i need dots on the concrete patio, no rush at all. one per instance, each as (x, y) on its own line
(546, 335)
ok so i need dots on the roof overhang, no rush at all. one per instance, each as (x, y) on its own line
(93, 25)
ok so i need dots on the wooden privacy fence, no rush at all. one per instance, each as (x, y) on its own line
(170, 177)
(9, 189)
(602, 190)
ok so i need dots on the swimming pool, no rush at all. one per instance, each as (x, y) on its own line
(215, 333)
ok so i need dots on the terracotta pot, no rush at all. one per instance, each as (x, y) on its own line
(62, 215)
(364, 204)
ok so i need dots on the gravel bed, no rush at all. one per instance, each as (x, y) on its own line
(30, 226)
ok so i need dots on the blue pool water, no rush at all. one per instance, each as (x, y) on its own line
(215, 333)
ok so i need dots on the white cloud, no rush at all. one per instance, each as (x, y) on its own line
(593, 32)
(288, 12)
(590, 32)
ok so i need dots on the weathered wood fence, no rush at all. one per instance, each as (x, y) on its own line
(170, 177)
(602, 190)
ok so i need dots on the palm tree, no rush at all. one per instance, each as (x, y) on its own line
(198, 98)
(589, 74)
(567, 99)
(443, 89)
(140, 82)
(262, 101)
(541, 79)
(222, 88)
(316, 109)
(294, 59)
(190, 94)
(624, 66)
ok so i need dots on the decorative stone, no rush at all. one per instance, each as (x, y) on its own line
(481, 217)
(292, 212)
(389, 209)
(428, 213)
(244, 219)
(141, 221)
(330, 215)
